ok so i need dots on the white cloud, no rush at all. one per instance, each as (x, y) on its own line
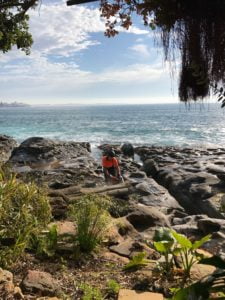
(141, 49)
(62, 30)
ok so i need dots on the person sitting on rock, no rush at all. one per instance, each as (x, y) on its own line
(111, 167)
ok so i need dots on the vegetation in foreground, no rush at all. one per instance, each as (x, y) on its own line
(24, 212)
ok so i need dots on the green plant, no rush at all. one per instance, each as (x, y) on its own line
(187, 250)
(164, 243)
(24, 211)
(113, 287)
(213, 284)
(92, 218)
(45, 244)
(136, 262)
(90, 292)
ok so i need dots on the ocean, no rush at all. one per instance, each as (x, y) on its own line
(201, 124)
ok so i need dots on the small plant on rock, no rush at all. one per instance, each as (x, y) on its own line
(90, 292)
(112, 288)
(186, 250)
(138, 261)
(164, 243)
(92, 218)
(24, 211)
(171, 244)
(45, 244)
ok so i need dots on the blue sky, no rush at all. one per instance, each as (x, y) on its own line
(73, 62)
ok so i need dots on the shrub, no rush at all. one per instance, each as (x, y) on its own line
(112, 288)
(90, 292)
(24, 211)
(45, 243)
(91, 216)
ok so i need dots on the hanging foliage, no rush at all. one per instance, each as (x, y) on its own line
(195, 29)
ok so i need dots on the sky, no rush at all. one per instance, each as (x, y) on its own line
(72, 62)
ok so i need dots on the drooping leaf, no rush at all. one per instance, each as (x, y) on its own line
(199, 243)
(182, 240)
(163, 246)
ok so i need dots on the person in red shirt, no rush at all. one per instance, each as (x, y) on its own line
(111, 167)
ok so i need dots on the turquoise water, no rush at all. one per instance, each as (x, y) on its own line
(171, 124)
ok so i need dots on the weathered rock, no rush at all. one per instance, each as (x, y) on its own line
(150, 167)
(127, 149)
(137, 295)
(110, 256)
(145, 217)
(124, 248)
(7, 289)
(198, 271)
(156, 195)
(7, 144)
(40, 283)
(211, 225)
(64, 228)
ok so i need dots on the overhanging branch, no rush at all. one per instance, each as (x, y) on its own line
(74, 2)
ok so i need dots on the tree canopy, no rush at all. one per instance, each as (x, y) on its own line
(194, 29)
(14, 29)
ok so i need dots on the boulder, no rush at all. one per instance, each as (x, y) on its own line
(127, 149)
(211, 225)
(144, 217)
(150, 167)
(40, 283)
(156, 195)
(7, 144)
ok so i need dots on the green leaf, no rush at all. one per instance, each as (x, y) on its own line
(137, 261)
(199, 243)
(182, 240)
(163, 246)
(163, 234)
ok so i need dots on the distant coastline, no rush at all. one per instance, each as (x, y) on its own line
(13, 104)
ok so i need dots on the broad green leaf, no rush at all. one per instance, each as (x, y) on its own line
(163, 234)
(177, 251)
(182, 240)
(163, 246)
(199, 243)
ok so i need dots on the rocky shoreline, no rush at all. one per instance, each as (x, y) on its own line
(179, 188)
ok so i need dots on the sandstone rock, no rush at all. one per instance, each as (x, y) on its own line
(123, 249)
(144, 217)
(64, 228)
(5, 276)
(7, 144)
(156, 195)
(210, 225)
(150, 167)
(41, 283)
(198, 271)
(125, 294)
(110, 256)
(7, 289)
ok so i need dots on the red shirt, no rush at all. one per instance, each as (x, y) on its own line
(109, 163)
